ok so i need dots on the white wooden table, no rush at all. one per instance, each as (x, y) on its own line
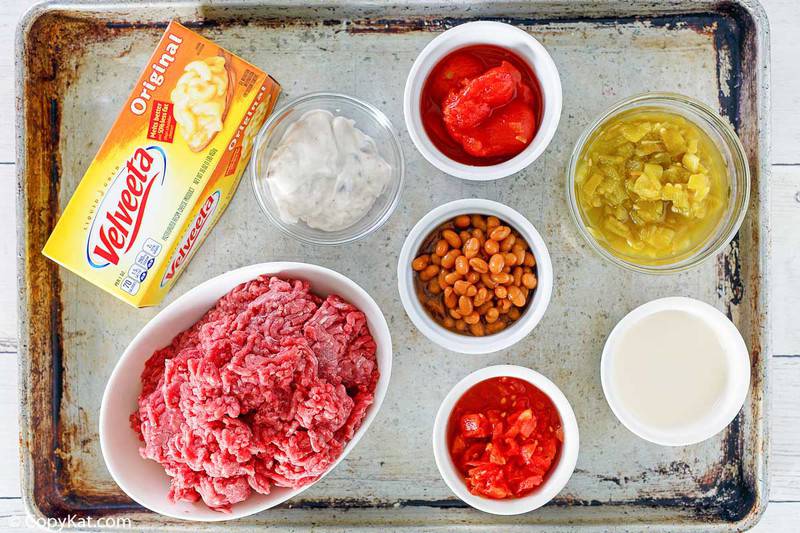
(783, 513)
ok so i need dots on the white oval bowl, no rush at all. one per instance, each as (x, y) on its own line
(491, 33)
(738, 358)
(557, 479)
(465, 343)
(144, 480)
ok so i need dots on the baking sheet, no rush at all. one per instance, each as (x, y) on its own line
(78, 63)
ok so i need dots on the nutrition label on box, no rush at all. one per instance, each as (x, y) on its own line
(140, 268)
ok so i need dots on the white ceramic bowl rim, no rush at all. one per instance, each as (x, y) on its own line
(144, 480)
(557, 479)
(465, 343)
(738, 373)
(492, 33)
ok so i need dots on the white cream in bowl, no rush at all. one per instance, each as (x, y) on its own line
(675, 371)
(326, 172)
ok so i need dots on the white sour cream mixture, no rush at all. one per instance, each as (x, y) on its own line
(326, 172)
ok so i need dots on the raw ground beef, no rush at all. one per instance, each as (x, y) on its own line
(266, 389)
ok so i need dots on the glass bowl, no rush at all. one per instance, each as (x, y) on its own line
(733, 155)
(369, 120)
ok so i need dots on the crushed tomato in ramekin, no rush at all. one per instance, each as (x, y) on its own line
(504, 436)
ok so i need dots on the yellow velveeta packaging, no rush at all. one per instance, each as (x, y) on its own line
(166, 170)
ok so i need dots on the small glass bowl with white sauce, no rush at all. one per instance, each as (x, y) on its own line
(321, 219)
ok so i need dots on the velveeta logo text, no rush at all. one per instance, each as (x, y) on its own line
(194, 234)
(119, 216)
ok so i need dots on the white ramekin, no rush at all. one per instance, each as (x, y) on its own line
(557, 479)
(735, 391)
(466, 343)
(145, 481)
(490, 33)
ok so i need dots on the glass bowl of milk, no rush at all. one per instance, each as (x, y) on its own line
(327, 168)
(675, 371)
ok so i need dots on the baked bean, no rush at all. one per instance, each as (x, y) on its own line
(450, 298)
(503, 278)
(529, 280)
(429, 272)
(477, 329)
(472, 318)
(433, 286)
(530, 260)
(518, 273)
(476, 275)
(478, 222)
(508, 243)
(420, 262)
(516, 296)
(462, 221)
(449, 258)
(452, 238)
(499, 233)
(479, 265)
(496, 326)
(471, 247)
(491, 247)
(519, 254)
(465, 306)
(460, 287)
(480, 296)
(462, 265)
(452, 277)
(496, 263)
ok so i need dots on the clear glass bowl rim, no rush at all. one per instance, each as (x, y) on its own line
(741, 175)
(379, 118)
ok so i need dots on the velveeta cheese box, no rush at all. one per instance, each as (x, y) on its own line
(167, 169)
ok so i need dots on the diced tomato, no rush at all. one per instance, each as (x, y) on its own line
(458, 446)
(473, 453)
(475, 425)
(504, 453)
(530, 483)
(495, 454)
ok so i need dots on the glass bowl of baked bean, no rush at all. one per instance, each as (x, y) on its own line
(475, 276)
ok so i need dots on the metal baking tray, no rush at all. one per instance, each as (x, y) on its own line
(76, 64)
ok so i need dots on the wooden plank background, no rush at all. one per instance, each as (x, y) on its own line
(784, 509)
